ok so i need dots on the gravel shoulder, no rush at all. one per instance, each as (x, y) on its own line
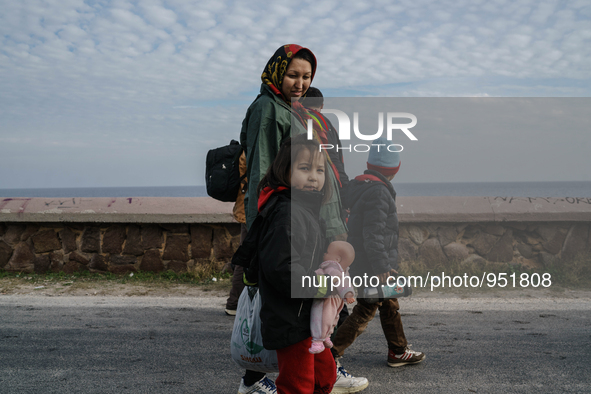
(18, 291)
(82, 288)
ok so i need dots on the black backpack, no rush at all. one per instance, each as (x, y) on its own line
(222, 172)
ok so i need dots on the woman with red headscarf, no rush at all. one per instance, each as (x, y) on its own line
(287, 75)
(268, 122)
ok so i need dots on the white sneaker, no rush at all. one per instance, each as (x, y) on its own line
(263, 386)
(346, 383)
(230, 312)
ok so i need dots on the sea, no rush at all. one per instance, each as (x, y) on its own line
(463, 189)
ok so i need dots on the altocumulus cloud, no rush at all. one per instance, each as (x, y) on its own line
(129, 74)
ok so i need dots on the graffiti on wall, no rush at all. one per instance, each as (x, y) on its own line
(20, 204)
(549, 200)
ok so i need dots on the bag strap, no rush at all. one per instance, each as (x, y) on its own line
(238, 153)
(244, 184)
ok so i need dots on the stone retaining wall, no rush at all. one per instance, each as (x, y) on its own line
(117, 248)
(533, 245)
(184, 234)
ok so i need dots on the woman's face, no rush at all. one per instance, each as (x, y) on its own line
(297, 79)
(308, 173)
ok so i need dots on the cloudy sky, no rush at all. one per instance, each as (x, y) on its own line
(134, 93)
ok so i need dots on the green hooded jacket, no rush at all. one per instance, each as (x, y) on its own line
(266, 125)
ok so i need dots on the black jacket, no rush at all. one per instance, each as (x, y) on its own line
(291, 245)
(373, 224)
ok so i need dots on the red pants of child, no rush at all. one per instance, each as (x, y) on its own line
(301, 372)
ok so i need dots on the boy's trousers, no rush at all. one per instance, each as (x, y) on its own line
(358, 320)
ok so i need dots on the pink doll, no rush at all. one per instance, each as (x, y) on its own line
(325, 312)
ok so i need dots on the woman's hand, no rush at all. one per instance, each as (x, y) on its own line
(383, 277)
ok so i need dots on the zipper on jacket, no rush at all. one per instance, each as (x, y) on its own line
(312, 262)
(313, 254)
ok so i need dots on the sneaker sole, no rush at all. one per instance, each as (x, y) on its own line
(345, 390)
(402, 363)
(230, 312)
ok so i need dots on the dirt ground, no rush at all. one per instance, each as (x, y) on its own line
(220, 288)
(49, 288)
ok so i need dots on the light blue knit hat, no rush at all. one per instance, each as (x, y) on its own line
(381, 159)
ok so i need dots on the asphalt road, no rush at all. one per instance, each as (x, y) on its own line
(181, 345)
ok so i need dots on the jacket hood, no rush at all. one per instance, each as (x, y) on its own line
(361, 183)
(266, 194)
(311, 200)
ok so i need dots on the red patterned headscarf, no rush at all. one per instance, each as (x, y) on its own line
(277, 66)
(273, 77)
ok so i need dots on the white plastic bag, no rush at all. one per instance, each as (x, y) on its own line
(247, 342)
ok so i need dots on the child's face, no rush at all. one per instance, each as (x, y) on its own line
(308, 173)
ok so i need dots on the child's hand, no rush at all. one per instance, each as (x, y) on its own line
(350, 298)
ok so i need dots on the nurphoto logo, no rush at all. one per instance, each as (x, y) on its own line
(344, 130)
